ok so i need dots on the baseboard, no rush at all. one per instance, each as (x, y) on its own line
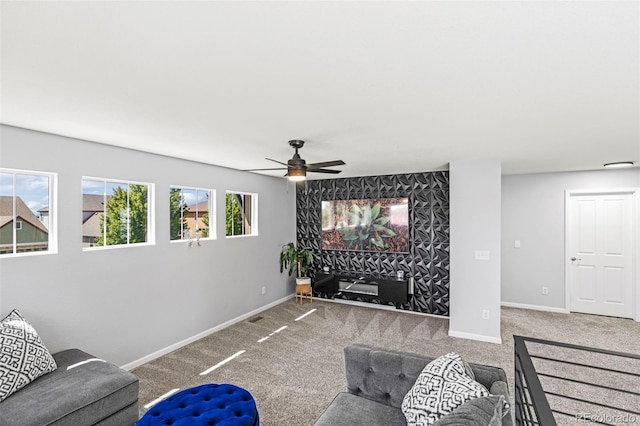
(535, 307)
(157, 354)
(479, 337)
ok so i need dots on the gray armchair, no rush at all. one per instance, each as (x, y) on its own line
(377, 381)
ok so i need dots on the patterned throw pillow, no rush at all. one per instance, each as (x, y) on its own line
(483, 411)
(23, 356)
(442, 386)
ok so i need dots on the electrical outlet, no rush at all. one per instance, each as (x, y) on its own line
(485, 314)
(516, 243)
(264, 290)
(545, 291)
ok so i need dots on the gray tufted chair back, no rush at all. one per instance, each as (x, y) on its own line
(386, 376)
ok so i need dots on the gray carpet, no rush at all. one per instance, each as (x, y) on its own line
(295, 373)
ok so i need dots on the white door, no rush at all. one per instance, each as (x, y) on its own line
(599, 244)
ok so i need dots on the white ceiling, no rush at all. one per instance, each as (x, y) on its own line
(388, 87)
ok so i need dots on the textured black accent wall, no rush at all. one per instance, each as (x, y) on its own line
(428, 259)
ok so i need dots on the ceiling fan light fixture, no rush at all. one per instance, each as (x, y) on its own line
(618, 164)
(297, 168)
(297, 175)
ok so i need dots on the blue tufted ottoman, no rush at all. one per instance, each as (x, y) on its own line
(220, 405)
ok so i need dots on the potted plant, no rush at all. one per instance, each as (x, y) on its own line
(298, 259)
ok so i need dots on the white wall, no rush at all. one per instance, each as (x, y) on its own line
(124, 304)
(475, 225)
(533, 208)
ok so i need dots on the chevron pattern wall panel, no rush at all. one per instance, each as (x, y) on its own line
(428, 258)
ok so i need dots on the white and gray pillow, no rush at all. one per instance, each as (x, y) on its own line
(442, 386)
(23, 355)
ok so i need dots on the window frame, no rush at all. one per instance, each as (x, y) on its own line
(254, 213)
(212, 214)
(151, 230)
(52, 228)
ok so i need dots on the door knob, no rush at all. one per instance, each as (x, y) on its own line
(573, 259)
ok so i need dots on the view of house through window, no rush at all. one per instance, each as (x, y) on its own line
(191, 213)
(241, 214)
(115, 212)
(25, 212)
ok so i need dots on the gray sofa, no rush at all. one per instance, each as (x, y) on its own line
(93, 392)
(378, 380)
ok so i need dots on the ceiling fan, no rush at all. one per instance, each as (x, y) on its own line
(297, 168)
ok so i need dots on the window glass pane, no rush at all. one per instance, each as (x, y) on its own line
(190, 200)
(239, 214)
(114, 213)
(202, 213)
(233, 223)
(117, 215)
(92, 211)
(177, 214)
(138, 213)
(32, 210)
(246, 214)
(6, 213)
(189, 210)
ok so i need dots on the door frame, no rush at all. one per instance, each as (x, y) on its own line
(635, 241)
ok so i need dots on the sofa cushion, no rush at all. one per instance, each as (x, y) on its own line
(23, 355)
(441, 387)
(351, 410)
(83, 390)
(483, 411)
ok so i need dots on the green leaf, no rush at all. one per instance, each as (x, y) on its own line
(346, 231)
(383, 220)
(375, 211)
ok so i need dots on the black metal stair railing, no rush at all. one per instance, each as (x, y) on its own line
(567, 386)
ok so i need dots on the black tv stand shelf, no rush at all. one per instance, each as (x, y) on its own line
(382, 289)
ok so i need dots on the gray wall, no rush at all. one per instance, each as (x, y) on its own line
(124, 304)
(474, 197)
(533, 213)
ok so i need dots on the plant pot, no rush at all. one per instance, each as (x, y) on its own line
(303, 280)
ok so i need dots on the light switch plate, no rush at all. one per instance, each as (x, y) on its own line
(482, 255)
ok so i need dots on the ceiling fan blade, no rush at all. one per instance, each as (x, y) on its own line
(313, 166)
(259, 170)
(276, 161)
(324, 171)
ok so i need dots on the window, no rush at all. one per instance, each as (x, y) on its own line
(116, 213)
(191, 213)
(26, 212)
(241, 214)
